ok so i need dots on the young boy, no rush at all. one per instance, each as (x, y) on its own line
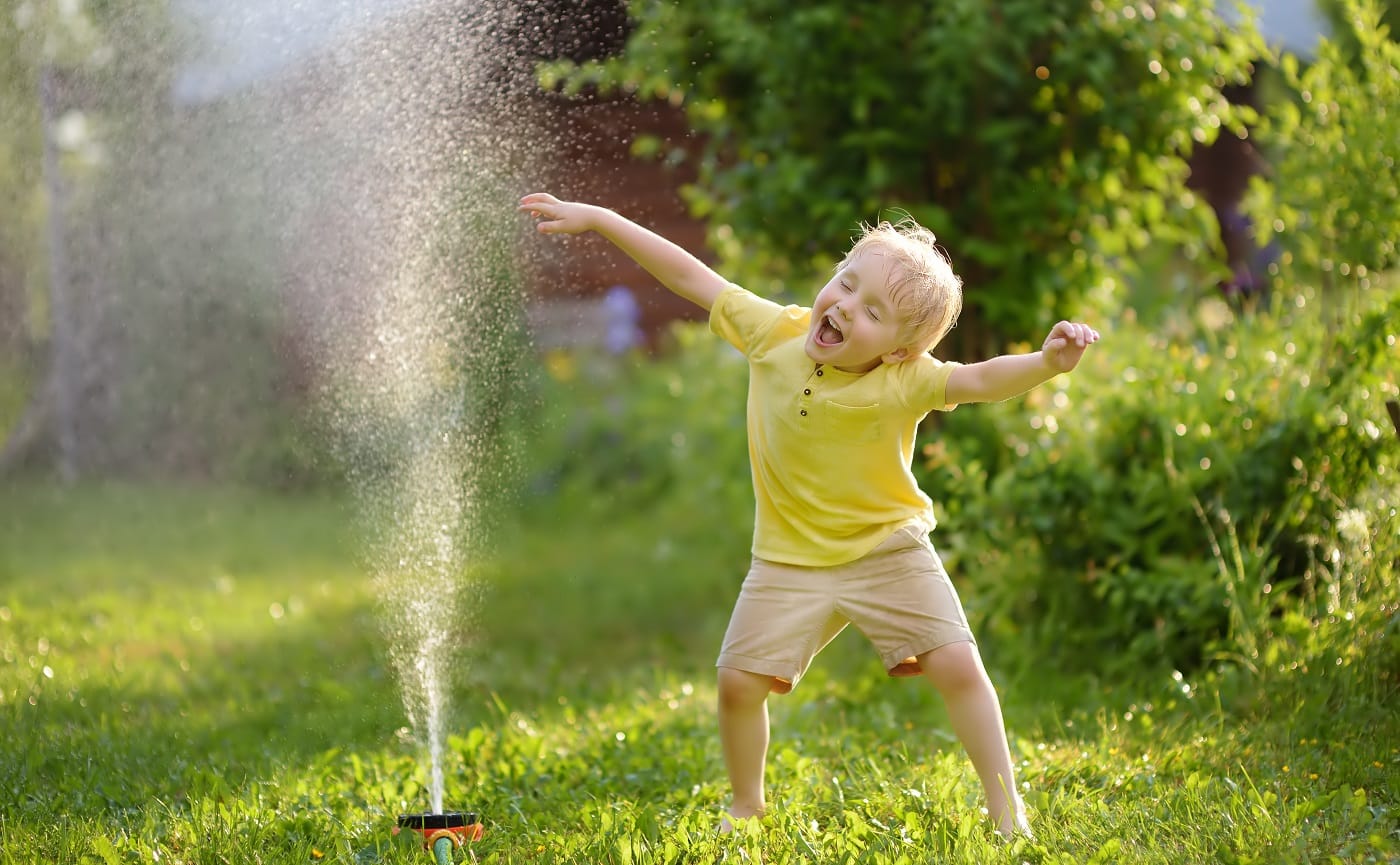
(841, 529)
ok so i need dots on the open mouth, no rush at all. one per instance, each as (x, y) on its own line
(829, 333)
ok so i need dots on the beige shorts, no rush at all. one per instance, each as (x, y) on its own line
(898, 595)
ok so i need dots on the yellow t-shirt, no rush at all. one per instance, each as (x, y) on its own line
(830, 451)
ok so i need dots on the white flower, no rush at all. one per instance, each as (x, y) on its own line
(1353, 526)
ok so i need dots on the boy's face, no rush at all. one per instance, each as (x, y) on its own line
(855, 323)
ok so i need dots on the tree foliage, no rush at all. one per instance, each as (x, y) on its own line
(1333, 200)
(1043, 140)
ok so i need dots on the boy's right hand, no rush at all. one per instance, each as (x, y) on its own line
(558, 217)
(672, 266)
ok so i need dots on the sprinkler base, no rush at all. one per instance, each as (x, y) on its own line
(442, 832)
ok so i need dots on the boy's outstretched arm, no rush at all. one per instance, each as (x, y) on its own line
(1012, 374)
(675, 268)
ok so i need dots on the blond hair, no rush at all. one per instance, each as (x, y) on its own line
(926, 292)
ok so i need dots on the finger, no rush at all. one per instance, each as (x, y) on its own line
(1054, 344)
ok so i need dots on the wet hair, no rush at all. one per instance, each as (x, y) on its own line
(926, 292)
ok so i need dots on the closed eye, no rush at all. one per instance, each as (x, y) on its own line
(873, 313)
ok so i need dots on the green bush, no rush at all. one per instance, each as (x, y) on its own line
(1333, 196)
(1172, 495)
(626, 431)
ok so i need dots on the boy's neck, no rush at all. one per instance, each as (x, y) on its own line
(823, 367)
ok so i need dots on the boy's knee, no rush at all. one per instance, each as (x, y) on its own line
(954, 667)
(739, 689)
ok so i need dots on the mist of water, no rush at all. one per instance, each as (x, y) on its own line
(426, 181)
(397, 162)
(331, 194)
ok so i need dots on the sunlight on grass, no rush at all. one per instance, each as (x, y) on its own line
(198, 676)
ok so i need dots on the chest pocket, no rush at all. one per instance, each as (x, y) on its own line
(852, 423)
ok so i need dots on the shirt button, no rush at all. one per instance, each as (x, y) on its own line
(819, 372)
(804, 412)
(807, 391)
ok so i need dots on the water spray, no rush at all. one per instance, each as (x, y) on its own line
(443, 832)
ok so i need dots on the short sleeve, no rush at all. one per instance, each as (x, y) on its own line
(743, 318)
(923, 383)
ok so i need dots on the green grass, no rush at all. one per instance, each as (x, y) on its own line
(198, 676)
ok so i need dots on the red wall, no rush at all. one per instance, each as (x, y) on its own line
(590, 160)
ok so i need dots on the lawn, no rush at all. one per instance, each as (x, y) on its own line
(197, 675)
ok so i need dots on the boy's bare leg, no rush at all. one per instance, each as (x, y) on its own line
(956, 671)
(743, 733)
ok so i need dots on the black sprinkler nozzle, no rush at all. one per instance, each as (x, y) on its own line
(429, 821)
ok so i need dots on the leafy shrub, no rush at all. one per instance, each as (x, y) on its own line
(626, 431)
(1169, 497)
(1333, 198)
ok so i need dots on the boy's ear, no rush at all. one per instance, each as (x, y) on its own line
(900, 354)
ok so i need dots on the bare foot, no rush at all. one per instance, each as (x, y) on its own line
(734, 814)
(1017, 827)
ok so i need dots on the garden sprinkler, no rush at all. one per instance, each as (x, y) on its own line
(442, 832)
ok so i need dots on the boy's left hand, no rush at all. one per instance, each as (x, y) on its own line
(1066, 344)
